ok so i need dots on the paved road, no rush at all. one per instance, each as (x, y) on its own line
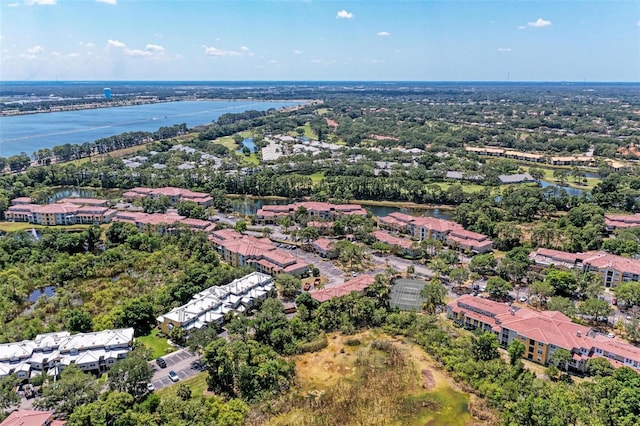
(183, 362)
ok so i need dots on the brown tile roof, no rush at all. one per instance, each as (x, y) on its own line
(356, 284)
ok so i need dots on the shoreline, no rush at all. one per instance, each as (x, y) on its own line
(134, 102)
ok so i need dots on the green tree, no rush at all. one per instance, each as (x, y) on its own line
(130, 375)
(562, 304)
(79, 321)
(542, 290)
(564, 283)
(595, 308)
(138, 314)
(286, 222)
(8, 397)
(516, 349)
(459, 275)
(485, 347)
(483, 264)
(498, 288)
(288, 285)
(433, 294)
(73, 389)
(561, 358)
(599, 367)
(628, 293)
(240, 226)
(183, 392)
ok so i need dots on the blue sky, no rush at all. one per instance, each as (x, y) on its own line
(320, 40)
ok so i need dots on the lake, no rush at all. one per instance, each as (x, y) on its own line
(31, 132)
(249, 206)
(573, 192)
(48, 291)
(248, 142)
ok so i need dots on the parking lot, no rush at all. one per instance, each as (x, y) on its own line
(327, 269)
(183, 362)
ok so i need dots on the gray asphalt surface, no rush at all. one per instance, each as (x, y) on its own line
(183, 362)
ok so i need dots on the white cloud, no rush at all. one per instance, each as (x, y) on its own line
(88, 45)
(343, 14)
(539, 23)
(73, 55)
(522, 27)
(383, 34)
(297, 52)
(113, 2)
(213, 51)
(116, 43)
(504, 49)
(244, 48)
(155, 48)
(39, 2)
(137, 52)
(35, 50)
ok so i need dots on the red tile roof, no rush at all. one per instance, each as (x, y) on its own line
(28, 418)
(324, 244)
(356, 284)
(392, 239)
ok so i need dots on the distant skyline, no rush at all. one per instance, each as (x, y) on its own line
(307, 40)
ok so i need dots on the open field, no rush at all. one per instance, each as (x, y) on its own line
(226, 141)
(25, 226)
(197, 383)
(466, 187)
(371, 378)
(548, 176)
(317, 177)
(157, 345)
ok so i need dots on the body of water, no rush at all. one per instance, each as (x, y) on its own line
(249, 144)
(48, 291)
(31, 132)
(71, 193)
(573, 192)
(250, 206)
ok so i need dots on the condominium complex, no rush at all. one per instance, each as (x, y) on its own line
(244, 250)
(211, 305)
(617, 221)
(175, 195)
(542, 332)
(162, 222)
(422, 228)
(316, 211)
(612, 269)
(50, 353)
(357, 284)
(69, 211)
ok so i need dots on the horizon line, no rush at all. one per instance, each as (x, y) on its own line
(327, 81)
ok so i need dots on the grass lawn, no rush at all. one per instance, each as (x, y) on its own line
(249, 160)
(466, 187)
(158, 345)
(410, 392)
(548, 176)
(25, 226)
(197, 383)
(226, 141)
(317, 177)
(308, 132)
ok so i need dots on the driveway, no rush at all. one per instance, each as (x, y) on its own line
(327, 269)
(183, 362)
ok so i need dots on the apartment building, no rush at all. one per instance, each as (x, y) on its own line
(175, 195)
(406, 245)
(612, 269)
(50, 353)
(211, 305)
(357, 284)
(316, 211)
(423, 228)
(325, 247)
(618, 221)
(244, 250)
(541, 332)
(60, 213)
(162, 222)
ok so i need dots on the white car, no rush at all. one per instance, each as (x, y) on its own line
(523, 299)
(150, 387)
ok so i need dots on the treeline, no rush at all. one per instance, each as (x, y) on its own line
(124, 279)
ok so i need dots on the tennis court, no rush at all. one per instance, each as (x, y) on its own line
(405, 294)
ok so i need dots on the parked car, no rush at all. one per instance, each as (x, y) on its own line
(173, 376)
(523, 299)
(150, 387)
(161, 362)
